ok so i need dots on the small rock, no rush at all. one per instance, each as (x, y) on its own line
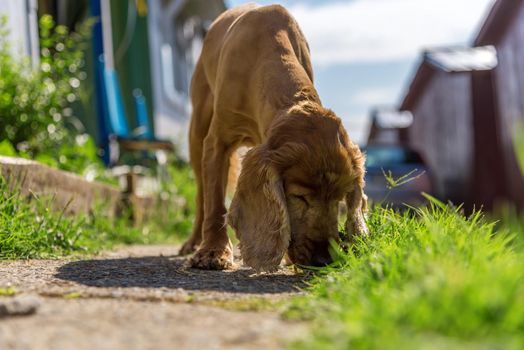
(19, 306)
(117, 294)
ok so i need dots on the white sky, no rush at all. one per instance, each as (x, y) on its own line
(384, 30)
(353, 40)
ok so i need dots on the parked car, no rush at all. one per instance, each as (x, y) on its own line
(395, 176)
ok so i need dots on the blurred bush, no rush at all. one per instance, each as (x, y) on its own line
(35, 104)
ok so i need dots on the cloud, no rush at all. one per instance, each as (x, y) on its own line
(374, 96)
(385, 30)
(357, 127)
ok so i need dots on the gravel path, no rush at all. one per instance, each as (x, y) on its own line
(142, 297)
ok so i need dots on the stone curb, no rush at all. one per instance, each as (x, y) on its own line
(66, 190)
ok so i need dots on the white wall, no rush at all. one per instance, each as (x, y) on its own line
(22, 25)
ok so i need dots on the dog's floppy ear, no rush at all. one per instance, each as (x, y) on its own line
(356, 202)
(258, 212)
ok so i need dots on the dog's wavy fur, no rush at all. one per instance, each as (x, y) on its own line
(253, 86)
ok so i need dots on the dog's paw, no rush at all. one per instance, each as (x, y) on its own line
(189, 247)
(212, 259)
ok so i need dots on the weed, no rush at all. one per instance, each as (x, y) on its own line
(72, 295)
(7, 292)
(249, 304)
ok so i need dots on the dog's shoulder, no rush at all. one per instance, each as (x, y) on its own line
(269, 14)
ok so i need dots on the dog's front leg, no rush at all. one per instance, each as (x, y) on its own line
(215, 251)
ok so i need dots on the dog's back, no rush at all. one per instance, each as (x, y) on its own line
(253, 33)
(254, 60)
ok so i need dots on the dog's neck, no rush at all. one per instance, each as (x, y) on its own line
(286, 88)
(307, 93)
(282, 97)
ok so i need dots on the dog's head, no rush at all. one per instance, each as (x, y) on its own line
(290, 188)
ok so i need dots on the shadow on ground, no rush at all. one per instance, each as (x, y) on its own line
(169, 272)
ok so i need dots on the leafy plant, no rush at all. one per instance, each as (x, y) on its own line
(392, 182)
(7, 149)
(37, 120)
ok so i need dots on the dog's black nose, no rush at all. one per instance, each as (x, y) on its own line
(321, 255)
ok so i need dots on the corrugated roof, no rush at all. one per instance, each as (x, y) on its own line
(391, 118)
(448, 60)
(463, 59)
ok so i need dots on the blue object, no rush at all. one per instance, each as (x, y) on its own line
(142, 117)
(98, 50)
(115, 107)
(111, 114)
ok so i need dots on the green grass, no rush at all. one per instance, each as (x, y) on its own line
(182, 184)
(255, 304)
(429, 279)
(7, 292)
(29, 229)
(72, 295)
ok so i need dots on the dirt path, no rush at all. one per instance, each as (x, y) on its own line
(143, 297)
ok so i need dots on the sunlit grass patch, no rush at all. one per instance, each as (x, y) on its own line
(429, 279)
(30, 229)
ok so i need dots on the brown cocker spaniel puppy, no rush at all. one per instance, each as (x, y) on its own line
(253, 86)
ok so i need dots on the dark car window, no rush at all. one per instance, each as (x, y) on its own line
(386, 156)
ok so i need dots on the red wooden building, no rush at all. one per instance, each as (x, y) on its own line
(388, 126)
(465, 104)
(504, 29)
